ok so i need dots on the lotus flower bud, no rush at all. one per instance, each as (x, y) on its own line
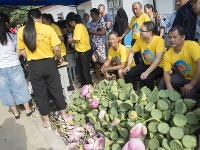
(84, 90)
(94, 103)
(88, 95)
(88, 146)
(137, 131)
(115, 122)
(102, 114)
(136, 144)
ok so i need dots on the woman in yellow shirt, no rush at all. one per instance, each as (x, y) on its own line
(36, 41)
(83, 48)
(152, 48)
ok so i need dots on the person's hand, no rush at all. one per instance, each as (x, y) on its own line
(125, 70)
(70, 40)
(103, 70)
(120, 38)
(186, 89)
(60, 60)
(196, 9)
(144, 75)
(158, 18)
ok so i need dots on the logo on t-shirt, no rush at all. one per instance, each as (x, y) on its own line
(115, 61)
(148, 56)
(135, 28)
(182, 67)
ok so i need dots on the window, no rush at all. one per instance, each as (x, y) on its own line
(113, 6)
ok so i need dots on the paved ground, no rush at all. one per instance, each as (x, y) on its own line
(26, 133)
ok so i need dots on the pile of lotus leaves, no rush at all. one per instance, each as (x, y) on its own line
(113, 107)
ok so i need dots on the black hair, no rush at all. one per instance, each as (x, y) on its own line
(45, 16)
(3, 28)
(149, 6)
(178, 28)
(69, 17)
(76, 18)
(50, 18)
(29, 33)
(86, 14)
(151, 27)
(61, 23)
(95, 11)
(113, 32)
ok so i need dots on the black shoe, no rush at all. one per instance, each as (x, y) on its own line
(30, 113)
(18, 116)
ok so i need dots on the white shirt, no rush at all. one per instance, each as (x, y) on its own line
(8, 55)
(169, 21)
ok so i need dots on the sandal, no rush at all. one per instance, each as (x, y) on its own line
(47, 124)
(30, 113)
(18, 116)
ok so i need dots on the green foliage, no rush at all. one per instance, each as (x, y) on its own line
(176, 133)
(179, 120)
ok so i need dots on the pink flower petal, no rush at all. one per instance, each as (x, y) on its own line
(136, 144)
(136, 131)
(88, 146)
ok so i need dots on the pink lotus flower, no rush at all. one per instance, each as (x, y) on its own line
(84, 90)
(134, 144)
(102, 114)
(88, 95)
(94, 103)
(138, 130)
(115, 122)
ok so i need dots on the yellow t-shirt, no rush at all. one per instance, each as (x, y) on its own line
(46, 39)
(149, 50)
(81, 34)
(185, 61)
(119, 55)
(136, 23)
(62, 45)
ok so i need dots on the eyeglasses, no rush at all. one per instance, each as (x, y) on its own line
(143, 30)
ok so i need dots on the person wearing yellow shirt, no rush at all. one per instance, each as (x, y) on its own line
(37, 43)
(152, 48)
(48, 19)
(136, 22)
(184, 58)
(83, 48)
(117, 57)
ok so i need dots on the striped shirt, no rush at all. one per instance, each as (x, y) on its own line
(186, 18)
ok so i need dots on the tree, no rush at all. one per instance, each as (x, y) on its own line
(17, 14)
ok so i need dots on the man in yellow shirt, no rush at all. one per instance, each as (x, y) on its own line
(152, 48)
(136, 22)
(117, 56)
(184, 57)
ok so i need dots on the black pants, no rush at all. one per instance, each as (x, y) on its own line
(138, 70)
(44, 74)
(84, 60)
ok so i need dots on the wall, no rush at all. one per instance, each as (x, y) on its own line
(85, 6)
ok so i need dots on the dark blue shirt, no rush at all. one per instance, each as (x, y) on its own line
(186, 18)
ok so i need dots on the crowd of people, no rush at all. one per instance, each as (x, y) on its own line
(44, 42)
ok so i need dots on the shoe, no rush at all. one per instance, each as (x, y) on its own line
(18, 116)
(30, 113)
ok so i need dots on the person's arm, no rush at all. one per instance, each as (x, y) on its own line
(167, 80)
(101, 32)
(23, 53)
(18, 52)
(196, 7)
(57, 53)
(162, 30)
(125, 33)
(130, 59)
(153, 66)
(108, 24)
(105, 65)
(61, 38)
(121, 66)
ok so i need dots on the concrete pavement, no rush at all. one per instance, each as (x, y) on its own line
(26, 133)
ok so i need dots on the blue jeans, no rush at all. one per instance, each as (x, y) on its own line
(13, 86)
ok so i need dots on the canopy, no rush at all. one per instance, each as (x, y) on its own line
(41, 2)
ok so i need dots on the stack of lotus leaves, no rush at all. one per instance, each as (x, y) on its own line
(114, 108)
